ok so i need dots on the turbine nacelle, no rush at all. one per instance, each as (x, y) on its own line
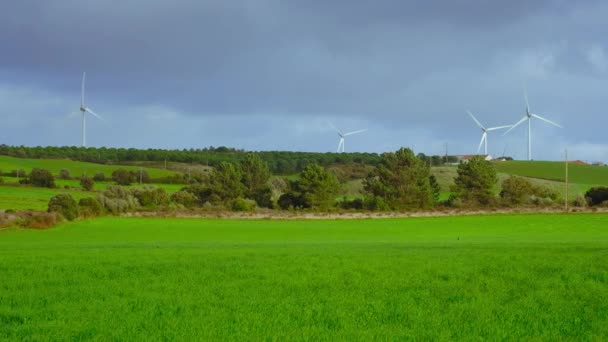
(528, 117)
(343, 135)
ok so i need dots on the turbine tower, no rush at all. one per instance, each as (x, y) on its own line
(528, 116)
(84, 110)
(343, 135)
(484, 135)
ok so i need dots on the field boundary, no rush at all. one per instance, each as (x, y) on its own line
(358, 215)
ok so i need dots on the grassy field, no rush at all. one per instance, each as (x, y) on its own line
(580, 174)
(19, 197)
(445, 177)
(76, 168)
(487, 277)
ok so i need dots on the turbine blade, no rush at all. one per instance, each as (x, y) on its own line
(483, 137)
(526, 97)
(475, 119)
(355, 132)
(546, 120)
(334, 127)
(517, 124)
(88, 110)
(499, 127)
(84, 75)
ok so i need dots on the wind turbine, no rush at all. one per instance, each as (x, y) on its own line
(84, 110)
(343, 135)
(528, 116)
(484, 136)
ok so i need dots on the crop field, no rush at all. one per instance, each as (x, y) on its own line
(76, 168)
(580, 174)
(18, 197)
(479, 277)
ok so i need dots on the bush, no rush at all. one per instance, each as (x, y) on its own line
(357, 204)
(39, 220)
(292, 200)
(117, 199)
(402, 180)
(475, 182)
(90, 207)
(87, 183)
(140, 176)
(18, 173)
(263, 197)
(122, 177)
(597, 195)
(185, 198)
(150, 196)
(65, 205)
(241, 204)
(580, 201)
(99, 177)
(376, 203)
(64, 174)
(41, 178)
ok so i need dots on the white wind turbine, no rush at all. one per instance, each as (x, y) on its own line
(84, 110)
(484, 136)
(343, 135)
(528, 116)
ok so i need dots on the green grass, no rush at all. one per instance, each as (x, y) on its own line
(19, 197)
(518, 277)
(580, 174)
(76, 168)
(32, 198)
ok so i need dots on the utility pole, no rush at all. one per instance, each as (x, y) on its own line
(566, 201)
(446, 152)
(141, 174)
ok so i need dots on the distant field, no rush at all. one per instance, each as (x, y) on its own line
(76, 168)
(32, 198)
(580, 174)
(519, 277)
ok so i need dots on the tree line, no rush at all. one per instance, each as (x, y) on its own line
(279, 162)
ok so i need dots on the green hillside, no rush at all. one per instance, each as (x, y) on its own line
(76, 168)
(580, 174)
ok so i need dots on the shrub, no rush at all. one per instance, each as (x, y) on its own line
(64, 174)
(402, 180)
(292, 200)
(317, 187)
(150, 196)
(41, 178)
(580, 201)
(122, 177)
(255, 175)
(185, 198)
(357, 204)
(39, 220)
(65, 205)
(116, 199)
(90, 207)
(597, 195)
(99, 177)
(516, 190)
(241, 204)
(18, 173)
(475, 182)
(225, 182)
(140, 176)
(376, 203)
(87, 183)
(263, 197)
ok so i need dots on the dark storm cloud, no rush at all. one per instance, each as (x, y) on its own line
(401, 66)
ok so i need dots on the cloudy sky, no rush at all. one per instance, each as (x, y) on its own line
(270, 74)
